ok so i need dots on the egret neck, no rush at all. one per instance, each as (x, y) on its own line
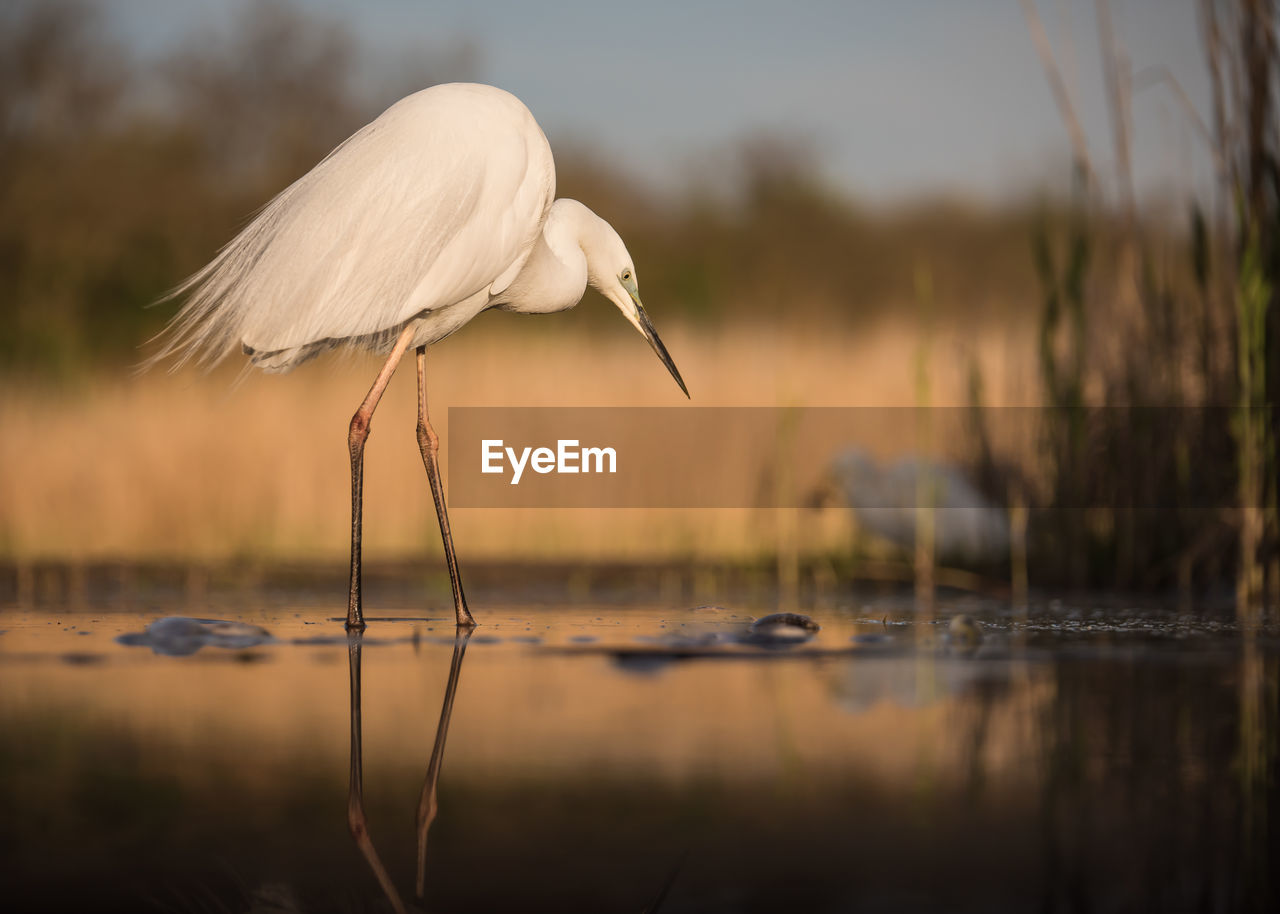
(577, 247)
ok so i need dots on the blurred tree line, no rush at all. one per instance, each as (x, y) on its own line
(120, 176)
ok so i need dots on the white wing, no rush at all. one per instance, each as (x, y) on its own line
(441, 196)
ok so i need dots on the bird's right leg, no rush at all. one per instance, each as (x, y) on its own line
(429, 445)
(356, 437)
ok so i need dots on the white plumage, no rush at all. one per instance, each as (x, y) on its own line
(430, 212)
(438, 199)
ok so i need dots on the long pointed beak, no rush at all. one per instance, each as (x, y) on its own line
(640, 320)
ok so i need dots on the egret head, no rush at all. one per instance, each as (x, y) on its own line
(611, 272)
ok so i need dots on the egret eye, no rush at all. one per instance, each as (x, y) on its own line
(626, 276)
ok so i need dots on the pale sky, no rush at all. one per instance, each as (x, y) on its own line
(900, 98)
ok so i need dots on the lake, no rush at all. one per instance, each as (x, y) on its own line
(636, 757)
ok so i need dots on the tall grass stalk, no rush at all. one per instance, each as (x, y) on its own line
(1253, 439)
(927, 486)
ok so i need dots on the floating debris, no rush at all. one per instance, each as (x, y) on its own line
(964, 631)
(780, 630)
(179, 636)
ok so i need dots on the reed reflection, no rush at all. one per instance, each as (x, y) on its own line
(357, 820)
(1257, 764)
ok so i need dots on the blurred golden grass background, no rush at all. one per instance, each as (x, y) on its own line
(196, 466)
(772, 290)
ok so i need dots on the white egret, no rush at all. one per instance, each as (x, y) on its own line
(442, 207)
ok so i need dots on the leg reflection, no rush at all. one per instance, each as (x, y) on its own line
(427, 804)
(356, 819)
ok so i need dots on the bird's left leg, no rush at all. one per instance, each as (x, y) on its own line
(429, 445)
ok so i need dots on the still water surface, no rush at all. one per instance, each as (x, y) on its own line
(606, 758)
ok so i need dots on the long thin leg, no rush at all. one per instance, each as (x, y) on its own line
(429, 445)
(357, 821)
(356, 437)
(427, 804)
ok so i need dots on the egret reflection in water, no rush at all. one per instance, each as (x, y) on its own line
(357, 821)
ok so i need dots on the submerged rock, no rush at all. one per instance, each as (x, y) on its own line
(178, 636)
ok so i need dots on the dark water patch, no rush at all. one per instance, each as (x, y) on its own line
(871, 639)
(735, 651)
(82, 659)
(327, 641)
